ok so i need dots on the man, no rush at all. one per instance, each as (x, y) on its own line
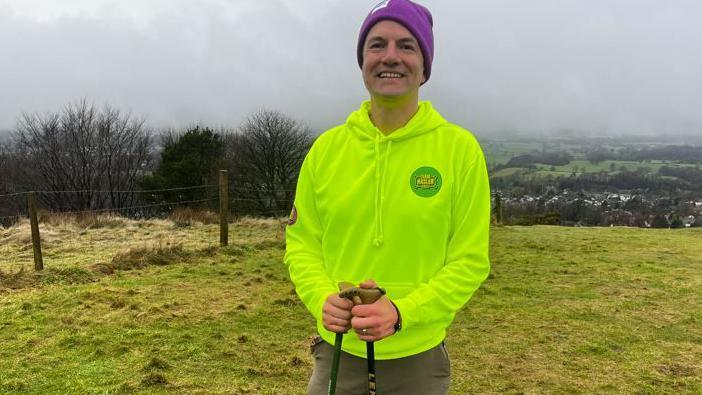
(399, 195)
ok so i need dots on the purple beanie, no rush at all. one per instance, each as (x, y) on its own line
(414, 17)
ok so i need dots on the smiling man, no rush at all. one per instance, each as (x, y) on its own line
(396, 197)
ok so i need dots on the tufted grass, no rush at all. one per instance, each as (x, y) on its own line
(565, 310)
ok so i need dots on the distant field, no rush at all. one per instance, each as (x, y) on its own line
(565, 310)
(499, 152)
(583, 166)
(609, 165)
(510, 171)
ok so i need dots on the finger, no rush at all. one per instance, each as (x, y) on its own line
(372, 337)
(341, 303)
(338, 313)
(370, 283)
(329, 320)
(338, 303)
(336, 328)
(365, 310)
(365, 332)
(359, 323)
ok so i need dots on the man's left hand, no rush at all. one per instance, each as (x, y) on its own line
(378, 319)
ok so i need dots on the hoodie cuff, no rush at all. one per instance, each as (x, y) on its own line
(407, 309)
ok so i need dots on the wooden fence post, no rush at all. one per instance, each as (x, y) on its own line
(36, 240)
(223, 208)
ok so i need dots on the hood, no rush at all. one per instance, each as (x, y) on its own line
(425, 120)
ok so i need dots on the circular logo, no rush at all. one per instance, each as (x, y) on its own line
(425, 181)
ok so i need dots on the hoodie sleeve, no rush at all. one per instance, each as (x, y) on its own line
(303, 239)
(467, 263)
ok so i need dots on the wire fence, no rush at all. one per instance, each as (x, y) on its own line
(248, 206)
(98, 191)
(230, 202)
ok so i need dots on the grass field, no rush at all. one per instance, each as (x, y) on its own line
(584, 166)
(150, 307)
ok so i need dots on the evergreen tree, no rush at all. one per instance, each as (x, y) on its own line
(660, 221)
(191, 159)
(676, 222)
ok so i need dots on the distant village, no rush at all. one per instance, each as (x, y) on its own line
(597, 209)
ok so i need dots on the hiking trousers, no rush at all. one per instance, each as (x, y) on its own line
(426, 373)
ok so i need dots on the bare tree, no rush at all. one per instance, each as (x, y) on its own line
(6, 185)
(265, 155)
(84, 150)
(125, 147)
(11, 170)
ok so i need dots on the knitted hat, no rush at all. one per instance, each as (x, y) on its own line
(414, 17)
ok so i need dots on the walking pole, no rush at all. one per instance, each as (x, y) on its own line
(371, 368)
(331, 390)
(366, 296)
(335, 363)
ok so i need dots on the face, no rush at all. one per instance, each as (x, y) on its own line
(393, 65)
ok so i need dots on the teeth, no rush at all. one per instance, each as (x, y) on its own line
(390, 75)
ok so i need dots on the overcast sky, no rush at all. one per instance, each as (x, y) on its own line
(601, 66)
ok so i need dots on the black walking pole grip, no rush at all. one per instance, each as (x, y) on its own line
(364, 296)
(356, 297)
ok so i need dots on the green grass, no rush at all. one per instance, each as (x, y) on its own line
(589, 167)
(565, 310)
(501, 152)
(584, 166)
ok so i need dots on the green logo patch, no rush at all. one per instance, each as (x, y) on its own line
(425, 181)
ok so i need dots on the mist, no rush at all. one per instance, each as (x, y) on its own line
(605, 68)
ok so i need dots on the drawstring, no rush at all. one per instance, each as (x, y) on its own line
(376, 240)
(379, 193)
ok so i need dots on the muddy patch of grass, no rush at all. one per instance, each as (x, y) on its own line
(154, 379)
(146, 255)
(156, 364)
(68, 275)
(24, 278)
(17, 280)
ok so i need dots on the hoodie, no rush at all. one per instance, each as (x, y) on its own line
(410, 210)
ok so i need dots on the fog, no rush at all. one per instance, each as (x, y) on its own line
(602, 67)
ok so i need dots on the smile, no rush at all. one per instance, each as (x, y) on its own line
(390, 75)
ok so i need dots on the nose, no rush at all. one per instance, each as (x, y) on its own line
(391, 55)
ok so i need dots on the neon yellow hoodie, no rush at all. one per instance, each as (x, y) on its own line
(410, 210)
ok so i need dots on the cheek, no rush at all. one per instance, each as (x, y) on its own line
(367, 70)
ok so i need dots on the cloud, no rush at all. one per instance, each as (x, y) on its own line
(602, 66)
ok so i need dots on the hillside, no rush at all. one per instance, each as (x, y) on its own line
(150, 306)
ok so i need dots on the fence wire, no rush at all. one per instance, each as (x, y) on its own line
(259, 190)
(13, 194)
(108, 191)
(135, 207)
(254, 211)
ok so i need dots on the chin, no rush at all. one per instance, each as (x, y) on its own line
(390, 94)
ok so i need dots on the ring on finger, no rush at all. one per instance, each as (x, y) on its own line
(364, 331)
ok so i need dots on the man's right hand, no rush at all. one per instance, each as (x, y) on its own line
(336, 314)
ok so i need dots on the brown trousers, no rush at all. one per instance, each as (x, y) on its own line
(426, 373)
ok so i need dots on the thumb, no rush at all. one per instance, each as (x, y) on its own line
(370, 283)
